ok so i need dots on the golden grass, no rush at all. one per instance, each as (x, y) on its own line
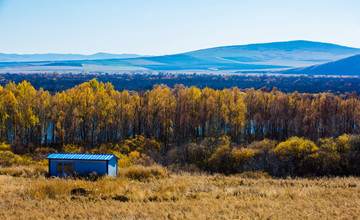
(142, 173)
(33, 171)
(180, 196)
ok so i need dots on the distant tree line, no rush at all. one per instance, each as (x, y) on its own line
(56, 82)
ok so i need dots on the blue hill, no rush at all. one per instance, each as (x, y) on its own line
(349, 66)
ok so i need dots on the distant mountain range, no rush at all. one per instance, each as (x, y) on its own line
(253, 57)
(57, 57)
(348, 66)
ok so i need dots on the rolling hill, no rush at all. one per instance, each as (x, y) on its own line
(256, 57)
(249, 57)
(298, 52)
(349, 66)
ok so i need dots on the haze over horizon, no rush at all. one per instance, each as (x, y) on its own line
(161, 27)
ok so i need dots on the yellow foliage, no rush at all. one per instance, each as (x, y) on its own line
(327, 144)
(4, 147)
(241, 156)
(139, 158)
(224, 140)
(43, 162)
(134, 158)
(263, 146)
(228, 160)
(141, 144)
(103, 149)
(124, 160)
(8, 158)
(296, 147)
(343, 143)
(71, 148)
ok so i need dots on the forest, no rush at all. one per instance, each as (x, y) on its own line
(225, 131)
(58, 82)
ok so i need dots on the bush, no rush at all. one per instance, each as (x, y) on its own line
(137, 158)
(198, 154)
(291, 153)
(124, 160)
(41, 153)
(221, 160)
(241, 156)
(134, 158)
(103, 149)
(321, 163)
(227, 160)
(343, 143)
(263, 147)
(72, 148)
(5, 147)
(8, 158)
(296, 147)
(141, 144)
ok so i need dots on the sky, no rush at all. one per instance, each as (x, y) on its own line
(157, 27)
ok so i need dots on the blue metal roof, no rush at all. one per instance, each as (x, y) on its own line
(66, 156)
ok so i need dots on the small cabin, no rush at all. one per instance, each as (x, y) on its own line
(65, 164)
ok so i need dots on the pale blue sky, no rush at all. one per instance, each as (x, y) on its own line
(170, 26)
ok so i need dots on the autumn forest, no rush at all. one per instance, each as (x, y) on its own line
(227, 131)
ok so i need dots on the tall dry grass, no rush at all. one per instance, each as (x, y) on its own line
(33, 171)
(143, 173)
(179, 196)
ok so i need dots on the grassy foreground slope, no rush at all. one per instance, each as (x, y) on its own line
(159, 194)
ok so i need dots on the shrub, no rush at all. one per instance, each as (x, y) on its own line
(72, 148)
(42, 153)
(241, 156)
(43, 162)
(8, 158)
(5, 147)
(103, 149)
(124, 160)
(141, 144)
(198, 154)
(321, 163)
(296, 147)
(137, 158)
(263, 147)
(227, 160)
(343, 143)
(221, 160)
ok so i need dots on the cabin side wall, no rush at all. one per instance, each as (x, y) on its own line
(80, 166)
(112, 167)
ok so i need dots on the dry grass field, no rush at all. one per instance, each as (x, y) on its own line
(154, 193)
